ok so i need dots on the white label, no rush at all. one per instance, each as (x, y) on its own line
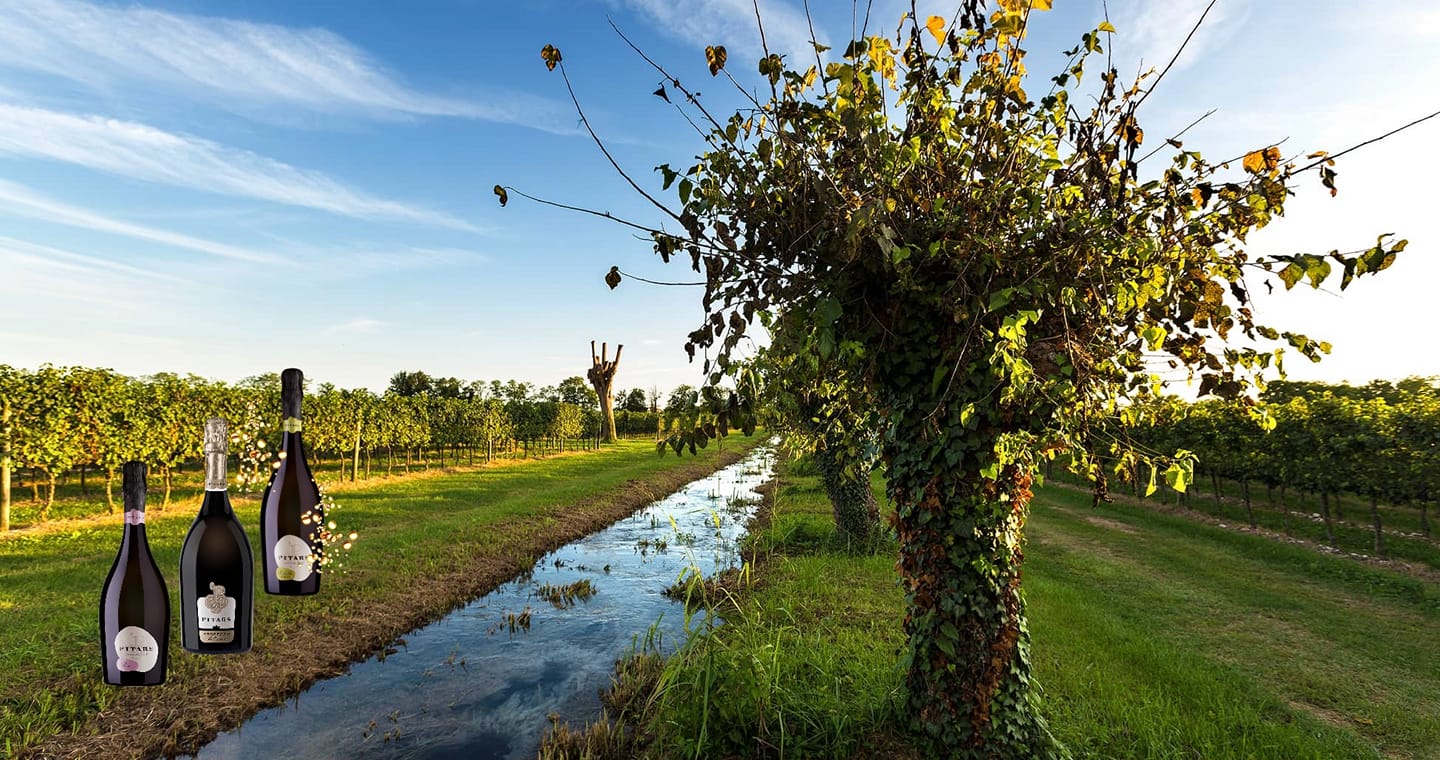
(216, 616)
(135, 650)
(293, 559)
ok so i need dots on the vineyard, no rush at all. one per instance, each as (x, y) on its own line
(65, 428)
(1330, 447)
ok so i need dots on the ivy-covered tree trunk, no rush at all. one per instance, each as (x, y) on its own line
(968, 665)
(960, 519)
(857, 515)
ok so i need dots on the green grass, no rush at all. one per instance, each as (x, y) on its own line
(76, 500)
(410, 529)
(1400, 523)
(1154, 636)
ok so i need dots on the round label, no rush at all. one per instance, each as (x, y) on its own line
(136, 651)
(293, 559)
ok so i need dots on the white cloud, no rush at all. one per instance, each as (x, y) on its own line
(1152, 30)
(234, 63)
(19, 200)
(356, 325)
(142, 152)
(732, 23)
(39, 273)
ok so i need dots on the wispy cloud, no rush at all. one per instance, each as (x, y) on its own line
(1152, 31)
(78, 262)
(40, 273)
(20, 200)
(142, 152)
(731, 23)
(356, 325)
(233, 62)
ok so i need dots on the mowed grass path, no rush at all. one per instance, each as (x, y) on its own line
(1152, 637)
(1156, 636)
(426, 542)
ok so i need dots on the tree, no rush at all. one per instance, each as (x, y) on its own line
(821, 413)
(602, 379)
(1000, 274)
(633, 400)
(411, 384)
(575, 390)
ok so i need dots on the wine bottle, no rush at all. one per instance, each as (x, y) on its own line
(217, 573)
(134, 603)
(290, 511)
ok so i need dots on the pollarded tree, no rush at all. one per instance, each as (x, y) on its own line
(602, 378)
(1000, 274)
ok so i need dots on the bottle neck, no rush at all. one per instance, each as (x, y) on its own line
(215, 504)
(215, 471)
(134, 528)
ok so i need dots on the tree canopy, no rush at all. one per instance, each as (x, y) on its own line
(986, 256)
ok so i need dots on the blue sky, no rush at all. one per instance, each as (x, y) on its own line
(232, 188)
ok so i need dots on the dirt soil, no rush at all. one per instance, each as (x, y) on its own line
(189, 711)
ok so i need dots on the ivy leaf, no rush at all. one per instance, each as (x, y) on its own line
(660, 93)
(612, 278)
(504, 196)
(551, 55)
(715, 57)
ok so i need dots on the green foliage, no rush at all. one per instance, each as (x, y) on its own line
(999, 278)
(65, 417)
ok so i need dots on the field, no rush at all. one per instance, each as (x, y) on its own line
(1153, 636)
(481, 526)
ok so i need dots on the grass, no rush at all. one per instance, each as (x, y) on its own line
(77, 497)
(426, 543)
(1354, 534)
(1154, 636)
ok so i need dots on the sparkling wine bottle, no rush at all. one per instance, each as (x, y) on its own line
(217, 573)
(134, 603)
(290, 511)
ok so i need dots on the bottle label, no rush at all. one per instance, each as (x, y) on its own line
(293, 559)
(291, 425)
(134, 517)
(216, 616)
(136, 651)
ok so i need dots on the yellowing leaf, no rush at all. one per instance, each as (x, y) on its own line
(1254, 161)
(1262, 161)
(715, 58)
(551, 55)
(504, 196)
(1042, 5)
(936, 25)
(1106, 26)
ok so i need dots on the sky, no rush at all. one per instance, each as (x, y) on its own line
(231, 188)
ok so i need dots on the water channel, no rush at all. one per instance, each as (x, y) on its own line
(467, 686)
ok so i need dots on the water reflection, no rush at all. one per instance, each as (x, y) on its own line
(467, 687)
